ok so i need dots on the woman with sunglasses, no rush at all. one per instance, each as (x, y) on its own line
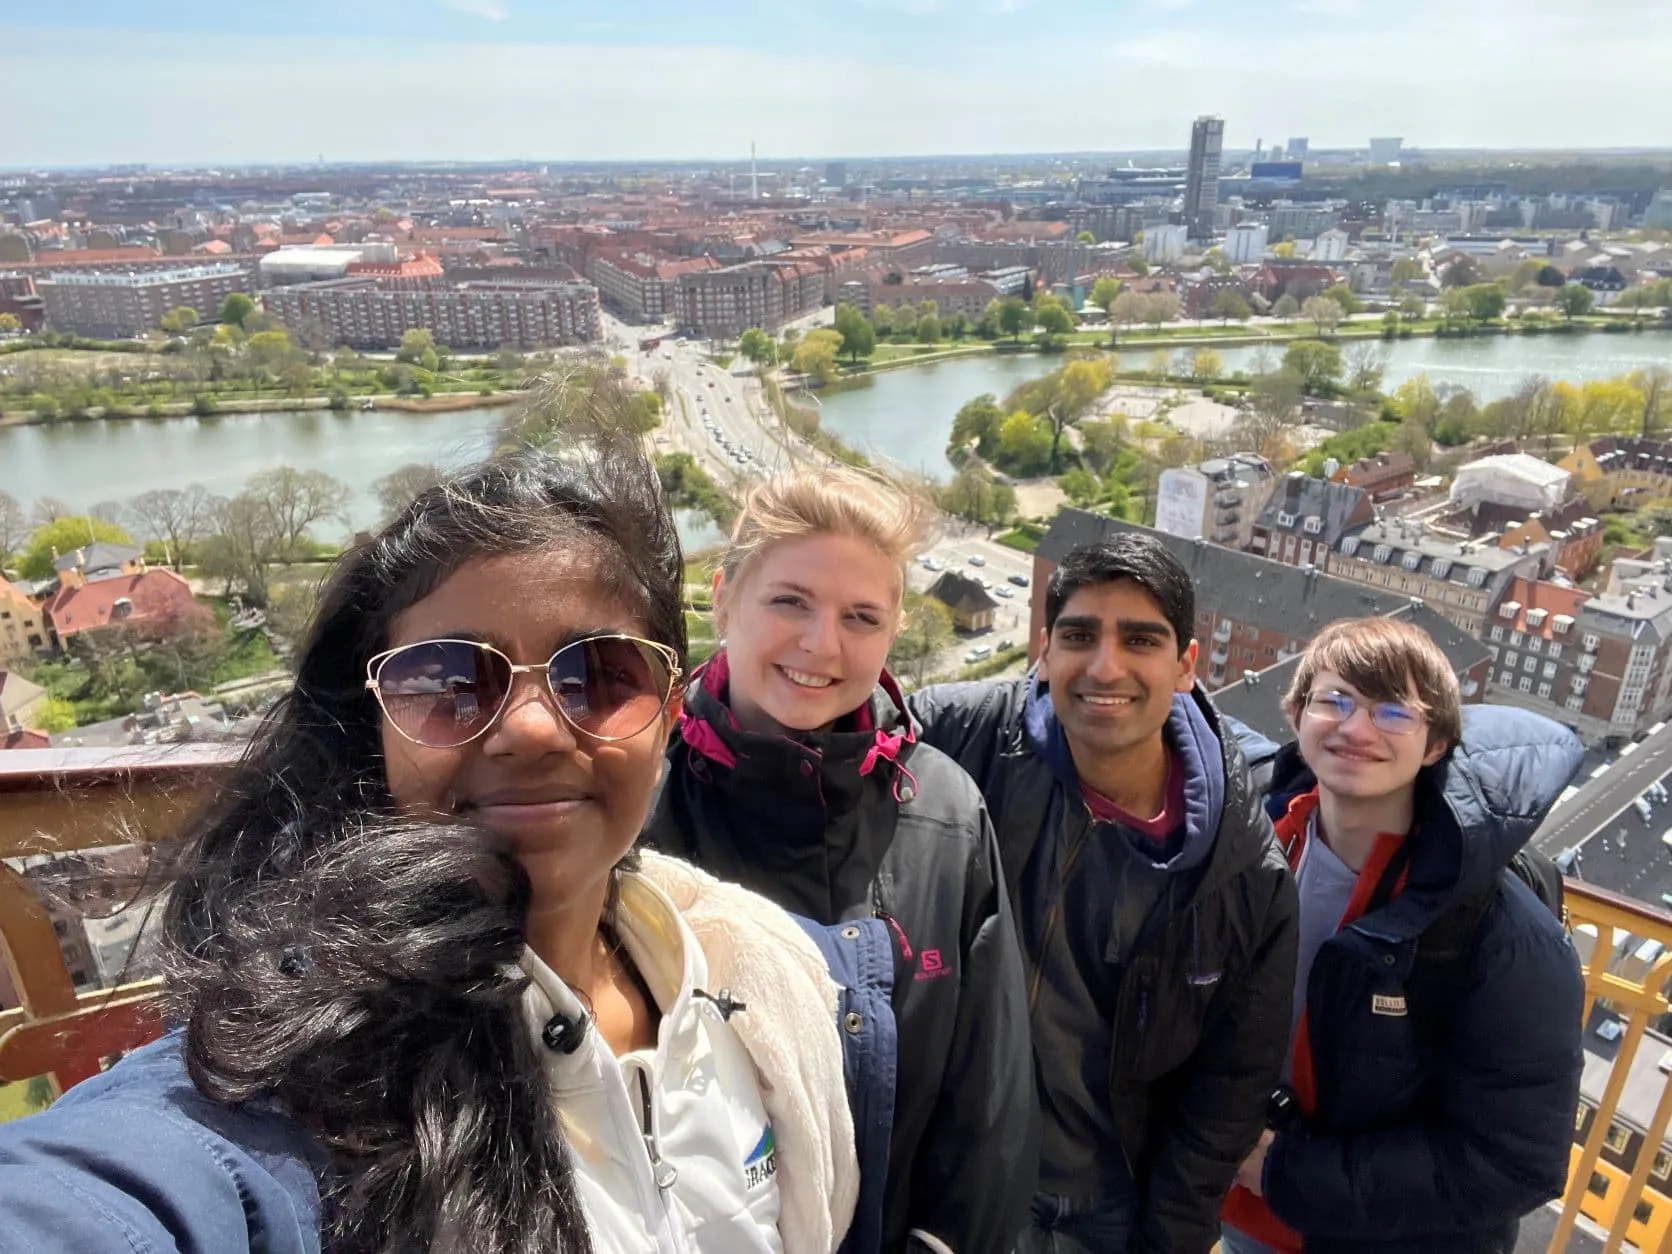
(797, 773)
(431, 1000)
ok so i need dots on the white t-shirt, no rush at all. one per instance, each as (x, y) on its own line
(672, 1148)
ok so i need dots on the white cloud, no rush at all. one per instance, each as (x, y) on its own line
(492, 10)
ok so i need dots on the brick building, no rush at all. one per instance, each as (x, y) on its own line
(1380, 477)
(969, 297)
(116, 305)
(1251, 612)
(23, 632)
(1612, 470)
(1463, 580)
(639, 287)
(728, 301)
(502, 312)
(1304, 518)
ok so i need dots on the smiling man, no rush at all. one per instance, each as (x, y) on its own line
(1158, 919)
(1435, 1062)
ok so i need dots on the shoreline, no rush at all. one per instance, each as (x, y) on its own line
(449, 402)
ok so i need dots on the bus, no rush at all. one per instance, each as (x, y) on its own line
(650, 345)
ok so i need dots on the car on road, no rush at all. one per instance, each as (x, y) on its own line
(1644, 810)
(1002, 591)
(1021, 581)
(975, 559)
(976, 654)
(1006, 645)
(711, 383)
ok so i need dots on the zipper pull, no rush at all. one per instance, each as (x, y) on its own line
(661, 1171)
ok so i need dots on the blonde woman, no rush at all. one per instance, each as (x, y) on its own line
(796, 772)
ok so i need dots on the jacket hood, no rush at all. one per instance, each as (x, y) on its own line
(880, 731)
(1193, 741)
(1475, 808)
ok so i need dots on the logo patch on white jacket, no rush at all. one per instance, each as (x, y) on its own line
(1384, 1004)
(762, 1162)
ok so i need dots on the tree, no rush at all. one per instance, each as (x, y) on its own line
(1366, 362)
(1323, 313)
(757, 346)
(64, 535)
(290, 611)
(14, 526)
(925, 633)
(1161, 307)
(269, 351)
(1024, 445)
(176, 517)
(1158, 363)
(1574, 300)
(397, 489)
(1526, 275)
(978, 420)
(1486, 301)
(1462, 272)
(1138, 265)
(1344, 296)
(1127, 309)
(9, 323)
(859, 338)
(929, 329)
(1316, 364)
(247, 540)
(1079, 384)
(49, 509)
(1228, 304)
(1206, 364)
(1653, 384)
(816, 355)
(1080, 486)
(296, 500)
(1405, 270)
(1104, 291)
(1014, 317)
(1274, 408)
(1413, 308)
(1216, 260)
(234, 309)
(1286, 308)
(1284, 249)
(1101, 443)
(882, 319)
(179, 320)
(1052, 318)
(1085, 237)
(414, 344)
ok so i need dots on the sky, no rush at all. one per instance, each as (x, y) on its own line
(213, 82)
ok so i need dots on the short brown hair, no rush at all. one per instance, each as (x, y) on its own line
(1386, 660)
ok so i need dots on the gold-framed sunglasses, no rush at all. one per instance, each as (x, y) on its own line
(445, 693)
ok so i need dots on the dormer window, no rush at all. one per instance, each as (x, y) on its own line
(1314, 524)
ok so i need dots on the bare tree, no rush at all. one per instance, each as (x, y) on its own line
(107, 512)
(1323, 312)
(296, 500)
(247, 539)
(396, 490)
(49, 509)
(175, 516)
(14, 526)
(1366, 362)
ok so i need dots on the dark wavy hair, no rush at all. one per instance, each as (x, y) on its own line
(357, 968)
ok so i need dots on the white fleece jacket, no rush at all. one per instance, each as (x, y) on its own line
(734, 1134)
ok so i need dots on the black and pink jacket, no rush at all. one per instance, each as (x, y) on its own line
(864, 821)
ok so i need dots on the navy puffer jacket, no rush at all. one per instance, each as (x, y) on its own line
(1440, 1139)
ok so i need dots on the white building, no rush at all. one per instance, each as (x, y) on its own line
(1330, 246)
(1386, 150)
(1245, 243)
(1164, 244)
(1218, 499)
(310, 264)
(1518, 479)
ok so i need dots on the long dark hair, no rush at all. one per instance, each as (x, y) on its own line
(358, 968)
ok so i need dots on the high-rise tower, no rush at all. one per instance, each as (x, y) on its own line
(1201, 185)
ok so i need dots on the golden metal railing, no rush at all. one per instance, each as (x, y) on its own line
(58, 801)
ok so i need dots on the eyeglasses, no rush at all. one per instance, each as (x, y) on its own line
(445, 693)
(1392, 717)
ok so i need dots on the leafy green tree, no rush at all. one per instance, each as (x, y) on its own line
(9, 323)
(1014, 317)
(1085, 237)
(1230, 304)
(1101, 443)
(1052, 318)
(1486, 301)
(925, 633)
(1139, 266)
(1216, 260)
(414, 344)
(1317, 364)
(1024, 445)
(929, 329)
(1206, 364)
(1323, 313)
(63, 535)
(1462, 272)
(1344, 296)
(1104, 291)
(859, 338)
(1080, 486)
(1405, 270)
(179, 320)
(234, 309)
(815, 355)
(757, 346)
(959, 327)
(1413, 308)
(1574, 300)
(882, 319)
(1286, 308)
(978, 420)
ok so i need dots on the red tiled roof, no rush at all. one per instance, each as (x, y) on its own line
(1541, 595)
(158, 596)
(60, 258)
(24, 739)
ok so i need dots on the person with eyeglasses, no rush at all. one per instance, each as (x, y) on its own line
(429, 997)
(798, 773)
(1434, 1064)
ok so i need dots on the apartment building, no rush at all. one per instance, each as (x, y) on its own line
(1251, 612)
(23, 631)
(1304, 518)
(1381, 477)
(1220, 498)
(728, 301)
(499, 313)
(969, 297)
(640, 287)
(1613, 470)
(1462, 580)
(116, 305)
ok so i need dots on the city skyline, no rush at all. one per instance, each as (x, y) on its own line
(486, 80)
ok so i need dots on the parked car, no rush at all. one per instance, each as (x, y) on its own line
(1002, 591)
(977, 560)
(976, 654)
(1021, 581)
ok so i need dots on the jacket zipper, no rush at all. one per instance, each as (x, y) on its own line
(1054, 913)
(662, 1171)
